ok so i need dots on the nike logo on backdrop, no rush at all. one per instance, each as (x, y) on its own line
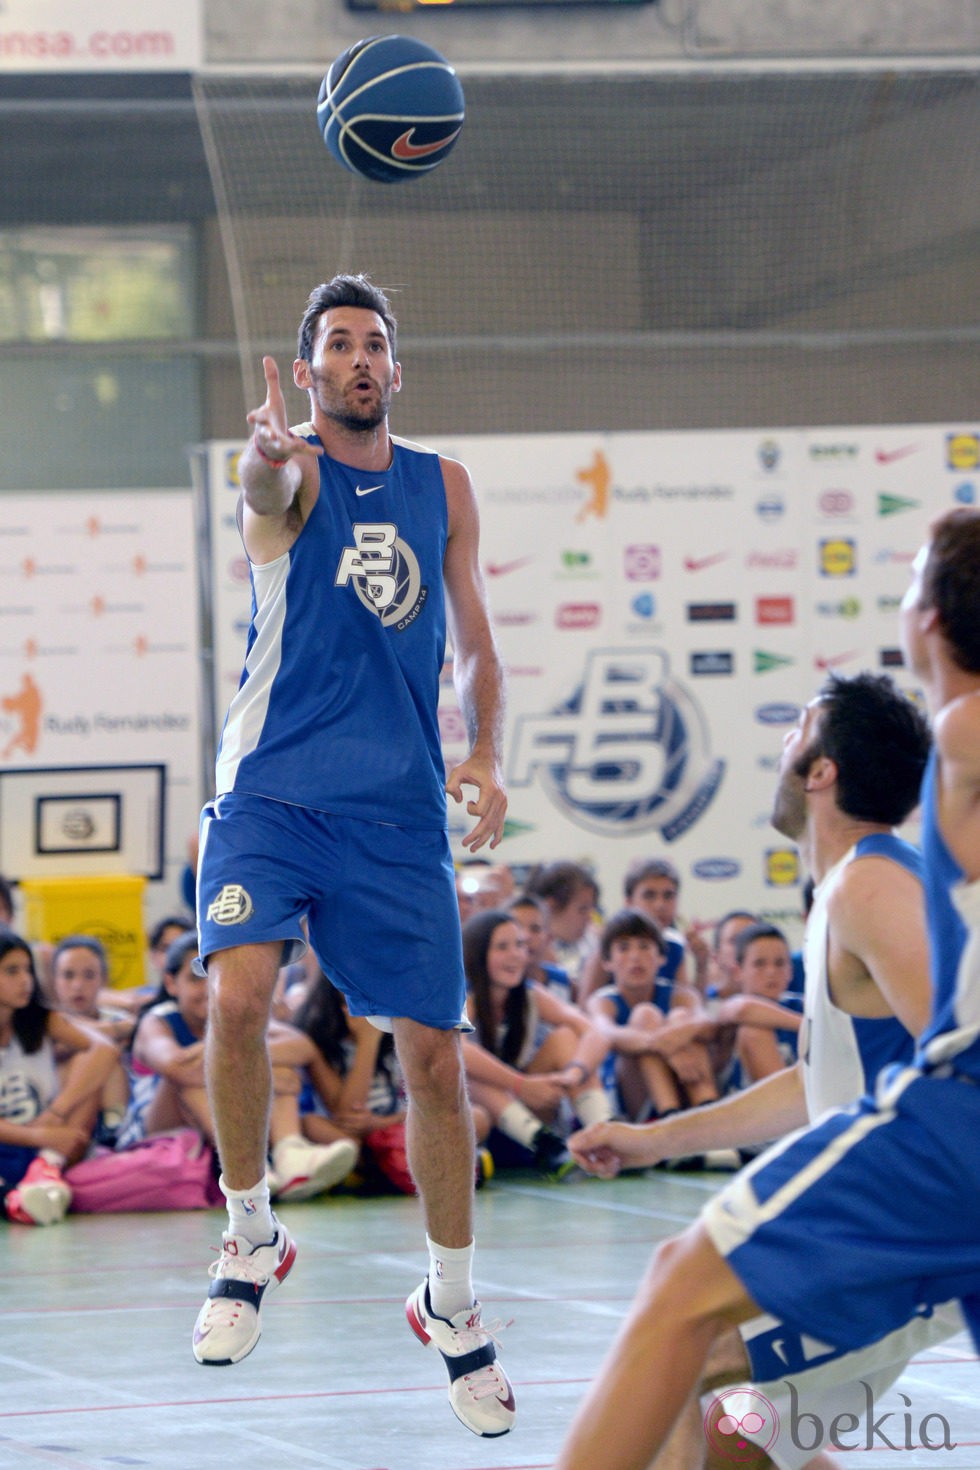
(367, 489)
(888, 456)
(698, 563)
(501, 568)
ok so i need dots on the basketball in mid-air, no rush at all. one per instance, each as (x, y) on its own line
(390, 108)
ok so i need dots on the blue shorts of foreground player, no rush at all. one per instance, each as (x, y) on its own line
(851, 1228)
(380, 901)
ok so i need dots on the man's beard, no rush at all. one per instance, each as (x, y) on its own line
(788, 809)
(361, 421)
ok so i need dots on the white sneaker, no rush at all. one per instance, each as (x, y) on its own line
(228, 1325)
(480, 1393)
(42, 1197)
(301, 1169)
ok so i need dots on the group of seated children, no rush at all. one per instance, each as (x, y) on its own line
(573, 1022)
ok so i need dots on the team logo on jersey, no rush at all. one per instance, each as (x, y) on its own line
(626, 752)
(384, 572)
(233, 905)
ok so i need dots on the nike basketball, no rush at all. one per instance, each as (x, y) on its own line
(390, 108)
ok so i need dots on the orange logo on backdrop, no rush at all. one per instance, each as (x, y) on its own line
(26, 706)
(598, 477)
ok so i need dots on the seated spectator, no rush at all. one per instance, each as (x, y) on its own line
(47, 1115)
(722, 977)
(532, 917)
(571, 895)
(652, 885)
(767, 1030)
(530, 1053)
(356, 1089)
(79, 977)
(133, 998)
(168, 1089)
(6, 902)
(631, 949)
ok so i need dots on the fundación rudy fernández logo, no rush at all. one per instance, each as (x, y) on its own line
(627, 751)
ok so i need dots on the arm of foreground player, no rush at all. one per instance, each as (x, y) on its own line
(743, 1119)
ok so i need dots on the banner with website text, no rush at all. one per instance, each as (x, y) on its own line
(99, 668)
(100, 35)
(665, 603)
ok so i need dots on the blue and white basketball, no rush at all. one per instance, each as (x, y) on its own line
(390, 108)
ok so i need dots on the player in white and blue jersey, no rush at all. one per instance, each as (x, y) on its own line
(330, 811)
(854, 1228)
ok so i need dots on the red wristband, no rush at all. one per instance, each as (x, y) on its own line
(275, 464)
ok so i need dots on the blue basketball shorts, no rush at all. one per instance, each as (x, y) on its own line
(849, 1229)
(379, 901)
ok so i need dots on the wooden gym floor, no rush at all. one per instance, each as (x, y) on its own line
(96, 1369)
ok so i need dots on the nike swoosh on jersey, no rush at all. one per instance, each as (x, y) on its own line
(367, 489)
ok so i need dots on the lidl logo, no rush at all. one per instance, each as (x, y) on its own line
(782, 867)
(893, 505)
(232, 481)
(838, 557)
(962, 451)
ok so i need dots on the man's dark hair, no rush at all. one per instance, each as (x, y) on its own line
(344, 290)
(878, 740)
(951, 583)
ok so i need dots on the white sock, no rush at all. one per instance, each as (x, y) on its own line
(519, 1123)
(53, 1157)
(250, 1212)
(450, 1278)
(592, 1106)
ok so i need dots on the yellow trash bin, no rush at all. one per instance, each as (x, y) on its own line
(109, 908)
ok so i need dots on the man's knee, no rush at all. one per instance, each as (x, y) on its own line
(694, 1282)
(431, 1063)
(240, 998)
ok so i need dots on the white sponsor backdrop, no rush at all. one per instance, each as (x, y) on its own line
(100, 35)
(99, 648)
(664, 604)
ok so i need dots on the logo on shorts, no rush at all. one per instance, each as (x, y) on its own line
(739, 1424)
(232, 906)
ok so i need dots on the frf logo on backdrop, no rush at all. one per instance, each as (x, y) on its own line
(626, 752)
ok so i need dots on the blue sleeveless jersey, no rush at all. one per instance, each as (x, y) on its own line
(337, 705)
(953, 1032)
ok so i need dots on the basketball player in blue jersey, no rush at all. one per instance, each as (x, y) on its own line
(331, 807)
(850, 772)
(866, 1221)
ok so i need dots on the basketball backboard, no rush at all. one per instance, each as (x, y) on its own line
(75, 821)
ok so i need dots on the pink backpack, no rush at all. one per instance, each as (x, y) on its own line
(167, 1171)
